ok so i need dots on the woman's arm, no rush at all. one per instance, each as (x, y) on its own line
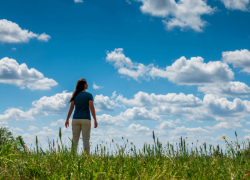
(92, 110)
(69, 113)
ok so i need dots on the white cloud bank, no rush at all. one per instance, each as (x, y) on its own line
(185, 72)
(236, 4)
(20, 75)
(213, 77)
(228, 89)
(239, 59)
(183, 14)
(10, 32)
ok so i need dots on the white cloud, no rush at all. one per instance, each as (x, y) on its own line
(46, 132)
(166, 125)
(19, 75)
(183, 14)
(118, 58)
(44, 37)
(108, 120)
(228, 89)
(182, 71)
(239, 59)
(78, 1)
(113, 95)
(225, 125)
(236, 4)
(222, 107)
(143, 99)
(10, 32)
(56, 104)
(33, 128)
(183, 131)
(96, 87)
(13, 49)
(14, 114)
(139, 113)
(103, 103)
(16, 129)
(194, 72)
(60, 121)
(138, 128)
(53, 105)
(3, 123)
(126, 66)
(246, 130)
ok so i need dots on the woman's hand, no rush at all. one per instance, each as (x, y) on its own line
(67, 123)
(95, 124)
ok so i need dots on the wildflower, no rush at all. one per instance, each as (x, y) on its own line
(122, 137)
(223, 137)
(239, 146)
(112, 140)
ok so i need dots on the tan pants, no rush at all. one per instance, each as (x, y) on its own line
(83, 125)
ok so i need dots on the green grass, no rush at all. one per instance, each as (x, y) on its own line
(153, 162)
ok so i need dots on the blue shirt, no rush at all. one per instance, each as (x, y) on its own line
(82, 105)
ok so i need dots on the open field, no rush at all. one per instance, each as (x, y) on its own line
(159, 161)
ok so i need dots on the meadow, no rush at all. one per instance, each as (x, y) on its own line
(157, 161)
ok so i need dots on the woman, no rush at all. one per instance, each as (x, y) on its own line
(84, 103)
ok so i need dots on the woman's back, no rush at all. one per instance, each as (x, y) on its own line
(82, 105)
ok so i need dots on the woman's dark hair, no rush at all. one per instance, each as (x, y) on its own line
(79, 87)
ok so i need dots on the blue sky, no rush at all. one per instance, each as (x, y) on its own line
(180, 68)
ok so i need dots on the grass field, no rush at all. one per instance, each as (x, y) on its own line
(170, 161)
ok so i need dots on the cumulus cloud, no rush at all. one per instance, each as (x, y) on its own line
(20, 75)
(126, 66)
(239, 59)
(53, 105)
(228, 89)
(224, 108)
(183, 131)
(166, 125)
(33, 128)
(138, 128)
(60, 121)
(139, 113)
(16, 129)
(10, 32)
(14, 114)
(225, 125)
(143, 99)
(56, 104)
(113, 95)
(182, 71)
(103, 103)
(194, 72)
(96, 87)
(236, 4)
(3, 123)
(183, 14)
(108, 120)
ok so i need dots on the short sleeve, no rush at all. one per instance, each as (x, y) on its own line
(91, 97)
